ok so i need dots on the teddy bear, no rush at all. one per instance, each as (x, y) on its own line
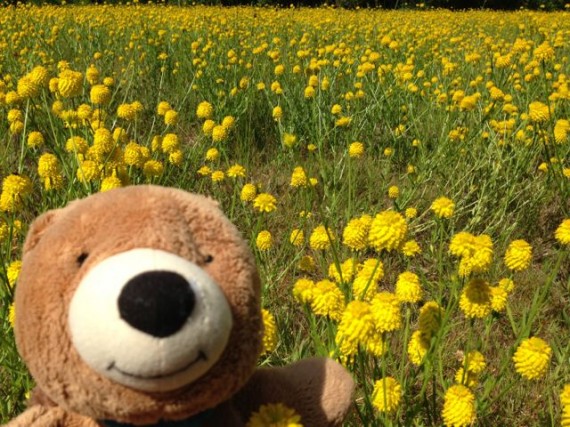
(140, 306)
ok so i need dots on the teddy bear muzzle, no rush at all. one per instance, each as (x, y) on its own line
(149, 319)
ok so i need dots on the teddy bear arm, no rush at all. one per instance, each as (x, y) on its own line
(319, 389)
(42, 416)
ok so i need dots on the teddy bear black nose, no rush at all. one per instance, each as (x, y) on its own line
(157, 302)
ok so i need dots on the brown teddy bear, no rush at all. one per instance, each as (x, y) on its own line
(141, 306)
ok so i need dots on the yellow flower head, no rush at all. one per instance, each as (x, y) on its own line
(15, 115)
(393, 192)
(387, 231)
(204, 110)
(356, 150)
(518, 255)
(110, 183)
(212, 154)
(476, 298)
(208, 127)
(171, 118)
(70, 83)
(418, 347)
(429, 320)
(304, 290)
(48, 166)
(92, 74)
(87, 171)
(386, 312)
(299, 177)
(248, 192)
(27, 88)
(265, 202)
(365, 284)
(12, 315)
(499, 297)
(538, 112)
(561, 131)
(562, 233)
(544, 52)
(126, 112)
(35, 139)
(76, 144)
(458, 406)
(289, 140)
(321, 238)
(103, 140)
(476, 252)
(443, 207)
(39, 76)
(474, 361)
(14, 189)
(343, 122)
(328, 300)
(236, 171)
(411, 213)
(507, 284)
(277, 113)
(100, 94)
(468, 379)
(153, 168)
(219, 133)
(309, 92)
(355, 327)
(408, 288)
(347, 270)
(264, 240)
(565, 395)
(274, 415)
(162, 108)
(132, 154)
(269, 332)
(387, 394)
(411, 248)
(13, 271)
(532, 358)
(297, 237)
(170, 143)
(218, 176)
(355, 234)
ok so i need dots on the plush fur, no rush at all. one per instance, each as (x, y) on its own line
(64, 244)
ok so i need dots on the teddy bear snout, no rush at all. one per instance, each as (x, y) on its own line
(157, 302)
(149, 319)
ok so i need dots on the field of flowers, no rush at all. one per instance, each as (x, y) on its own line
(403, 179)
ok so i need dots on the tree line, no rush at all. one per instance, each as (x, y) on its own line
(548, 5)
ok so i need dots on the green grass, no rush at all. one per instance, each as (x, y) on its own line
(492, 171)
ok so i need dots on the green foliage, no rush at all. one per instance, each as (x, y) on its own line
(442, 104)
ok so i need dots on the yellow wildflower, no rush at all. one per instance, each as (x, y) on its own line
(532, 358)
(458, 406)
(269, 332)
(386, 395)
(387, 231)
(264, 240)
(518, 255)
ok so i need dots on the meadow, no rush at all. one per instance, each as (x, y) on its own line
(402, 178)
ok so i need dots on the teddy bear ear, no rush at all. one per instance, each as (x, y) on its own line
(212, 202)
(37, 229)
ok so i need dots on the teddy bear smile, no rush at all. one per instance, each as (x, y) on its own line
(170, 320)
(201, 356)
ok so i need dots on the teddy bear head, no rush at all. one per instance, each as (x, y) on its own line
(137, 304)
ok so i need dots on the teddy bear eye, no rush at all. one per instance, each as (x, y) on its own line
(208, 259)
(81, 258)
